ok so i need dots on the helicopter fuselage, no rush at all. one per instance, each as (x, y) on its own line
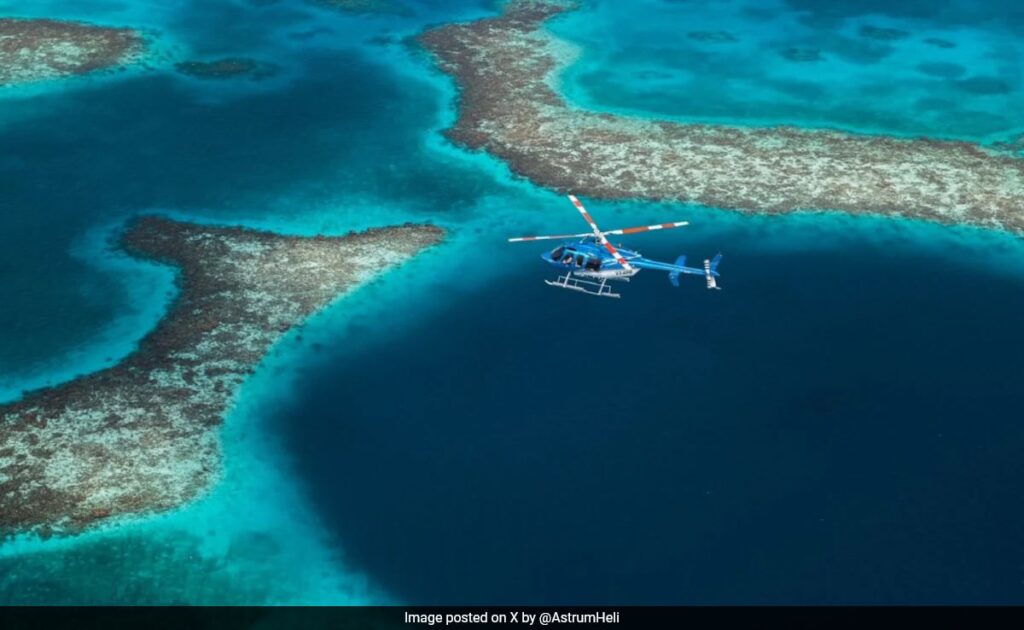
(589, 258)
(587, 264)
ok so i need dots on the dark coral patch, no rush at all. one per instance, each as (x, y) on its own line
(934, 105)
(365, 6)
(942, 70)
(883, 34)
(804, 90)
(820, 11)
(309, 33)
(228, 68)
(940, 43)
(859, 50)
(1013, 145)
(801, 55)
(712, 37)
(985, 86)
(653, 75)
(380, 40)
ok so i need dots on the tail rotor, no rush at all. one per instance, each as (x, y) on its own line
(711, 271)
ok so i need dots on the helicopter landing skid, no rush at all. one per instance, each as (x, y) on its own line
(590, 287)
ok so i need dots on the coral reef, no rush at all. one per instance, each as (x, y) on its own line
(143, 435)
(33, 50)
(365, 6)
(228, 68)
(507, 68)
(712, 37)
(883, 34)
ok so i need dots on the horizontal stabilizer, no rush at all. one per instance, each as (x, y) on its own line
(673, 276)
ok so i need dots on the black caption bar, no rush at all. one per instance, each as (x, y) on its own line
(410, 618)
(511, 617)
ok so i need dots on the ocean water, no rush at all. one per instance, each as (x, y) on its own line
(840, 424)
(940, 69)
(819, 431)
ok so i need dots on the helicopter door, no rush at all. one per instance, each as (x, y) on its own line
(580, 259)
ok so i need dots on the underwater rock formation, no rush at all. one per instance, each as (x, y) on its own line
(939, 43)
(883, 34)
(228, 68)
(712, 37)
(36, 49)
(801, 55)
(143, 436)
(506, 68)
(365, 6)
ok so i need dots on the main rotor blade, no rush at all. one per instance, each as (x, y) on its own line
(597, 232)
(629, 230)
(520, 239)
(586, 216)
(648, 228)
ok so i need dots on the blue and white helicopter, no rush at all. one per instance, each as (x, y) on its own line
(592, 261)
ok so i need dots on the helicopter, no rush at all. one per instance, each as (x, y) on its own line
(591, 262)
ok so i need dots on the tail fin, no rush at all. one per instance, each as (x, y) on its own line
(673, 276)
(711, 270)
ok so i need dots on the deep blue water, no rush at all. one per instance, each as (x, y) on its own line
(148, 145)
(840, 424)
(819, 431)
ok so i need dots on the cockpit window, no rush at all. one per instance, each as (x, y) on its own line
(557, 254)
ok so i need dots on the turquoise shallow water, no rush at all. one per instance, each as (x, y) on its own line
(83, 156)
(354, 459)
(941, 69)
